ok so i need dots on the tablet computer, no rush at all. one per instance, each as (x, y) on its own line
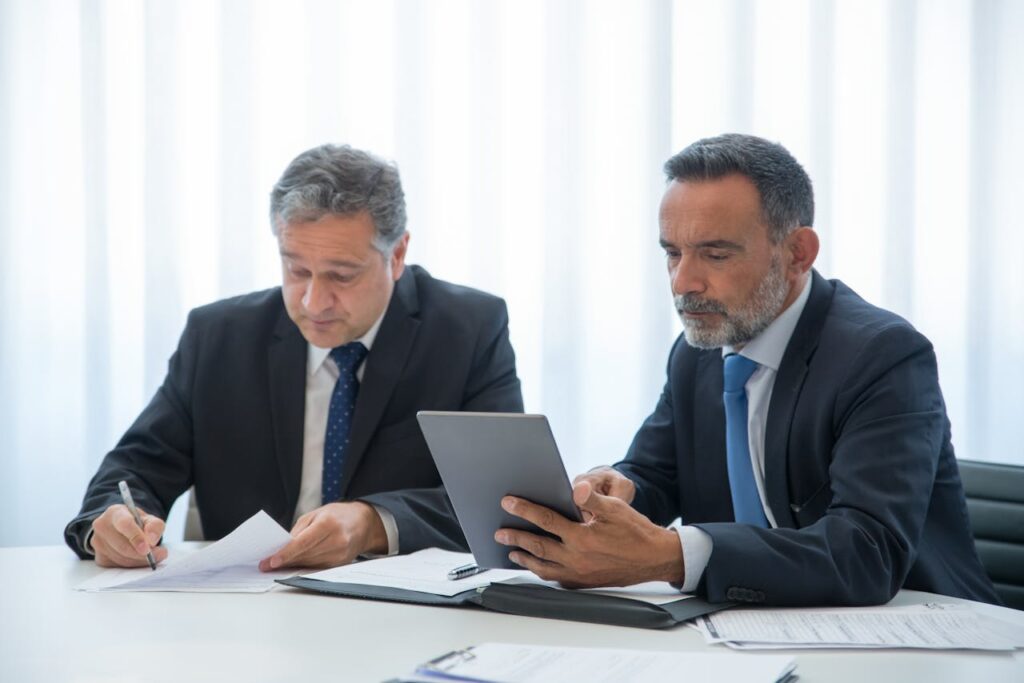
(484, 456)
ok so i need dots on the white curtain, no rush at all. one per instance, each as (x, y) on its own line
(140, 139)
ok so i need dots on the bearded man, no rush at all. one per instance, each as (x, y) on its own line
(801, 436)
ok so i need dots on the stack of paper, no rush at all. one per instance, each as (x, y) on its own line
(494, 662)
(931, 626)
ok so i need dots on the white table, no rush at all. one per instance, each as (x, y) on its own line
(49, 632)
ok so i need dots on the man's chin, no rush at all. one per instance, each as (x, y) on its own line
(324, 336)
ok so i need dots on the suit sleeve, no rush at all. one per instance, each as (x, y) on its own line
(425, 517)
(155, 454)
(889, 423)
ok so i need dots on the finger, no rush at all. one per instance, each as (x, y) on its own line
(546, 518)
(582, 493)
(303, 522)
(107, 555)
(153, 527)
(294, 551)
(549, 571)
(124, 524)
(538, 546)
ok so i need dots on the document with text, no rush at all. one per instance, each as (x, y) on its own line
(229, 565)
(935, 626)
(494, 662)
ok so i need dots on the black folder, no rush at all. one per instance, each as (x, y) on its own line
(531, 601)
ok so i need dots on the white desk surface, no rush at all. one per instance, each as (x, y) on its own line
(49, 632)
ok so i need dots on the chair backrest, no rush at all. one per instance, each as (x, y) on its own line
(193, 523)
(995, 502)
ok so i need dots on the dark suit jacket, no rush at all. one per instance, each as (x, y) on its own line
(229, 416)
(859, 469)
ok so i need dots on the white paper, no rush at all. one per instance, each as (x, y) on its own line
(540, 664)
(934, 626)
(425, 571)
(228, 566)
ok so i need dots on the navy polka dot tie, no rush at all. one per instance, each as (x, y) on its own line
(339, 417)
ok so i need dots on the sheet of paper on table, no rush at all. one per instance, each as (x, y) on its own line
(493, 662)
(425, 571)
(229, 565)
(936, 626)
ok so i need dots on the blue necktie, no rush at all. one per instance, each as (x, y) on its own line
(339, 417)
(746, 503)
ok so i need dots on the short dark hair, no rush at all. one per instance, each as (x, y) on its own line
(341, 180)
(787, 198)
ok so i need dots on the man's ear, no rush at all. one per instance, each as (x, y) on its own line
(397, 261)
(803, 246)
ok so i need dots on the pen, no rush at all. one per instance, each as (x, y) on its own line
(464, 571)
(126, 496)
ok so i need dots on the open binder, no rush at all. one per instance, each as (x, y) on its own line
(531, 601)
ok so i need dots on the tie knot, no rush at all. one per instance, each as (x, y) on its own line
(348, 357)
(738, 370)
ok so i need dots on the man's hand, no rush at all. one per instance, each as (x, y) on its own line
(119, 542)
(330, 536)
(615, 546)
(609, 482)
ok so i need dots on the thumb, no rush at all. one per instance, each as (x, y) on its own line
(585, 496)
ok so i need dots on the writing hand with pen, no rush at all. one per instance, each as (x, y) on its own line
(127, 536)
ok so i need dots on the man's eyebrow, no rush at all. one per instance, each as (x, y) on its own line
(719, 244)
(707, 244)
(339, 264)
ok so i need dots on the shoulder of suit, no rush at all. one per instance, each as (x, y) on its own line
(857, 321)
(255, 308)
(432, 291)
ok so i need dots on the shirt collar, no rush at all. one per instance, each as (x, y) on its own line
(767, 348)
(316, 356)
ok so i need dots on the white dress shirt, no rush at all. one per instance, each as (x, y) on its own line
(766, 350)
(321, 376)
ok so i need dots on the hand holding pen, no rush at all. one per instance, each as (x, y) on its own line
(120, 538)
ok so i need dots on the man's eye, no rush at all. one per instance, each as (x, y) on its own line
(338, 277)
(717, 256)
(672, 255)
(298, 272)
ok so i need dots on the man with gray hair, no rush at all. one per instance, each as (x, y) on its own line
(301, 400)
(801, 435)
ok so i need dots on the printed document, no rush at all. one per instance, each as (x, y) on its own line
(493, 662)
(425, 571)
(228, 566)
(940, 626)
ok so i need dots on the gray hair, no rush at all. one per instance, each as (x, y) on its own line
(787, 198)
(338, 179)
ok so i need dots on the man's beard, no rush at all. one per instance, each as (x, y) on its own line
(739, 326)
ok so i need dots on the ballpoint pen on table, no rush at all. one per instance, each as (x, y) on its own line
(464, 571)
(129, 503)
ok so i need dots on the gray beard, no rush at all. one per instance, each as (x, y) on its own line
(739, 326)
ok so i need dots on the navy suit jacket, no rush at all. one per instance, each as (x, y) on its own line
(859, 469)
(229, 416)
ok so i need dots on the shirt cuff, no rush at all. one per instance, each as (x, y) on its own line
(390, 530)
(697, 546)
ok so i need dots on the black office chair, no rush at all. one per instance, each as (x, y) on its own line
(995, 503)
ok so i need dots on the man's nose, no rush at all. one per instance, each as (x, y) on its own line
(316, 299)
(687, 278)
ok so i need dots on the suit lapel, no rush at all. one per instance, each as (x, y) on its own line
(788, 384)
(286, 372)
(384, 366)
(710, 467)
